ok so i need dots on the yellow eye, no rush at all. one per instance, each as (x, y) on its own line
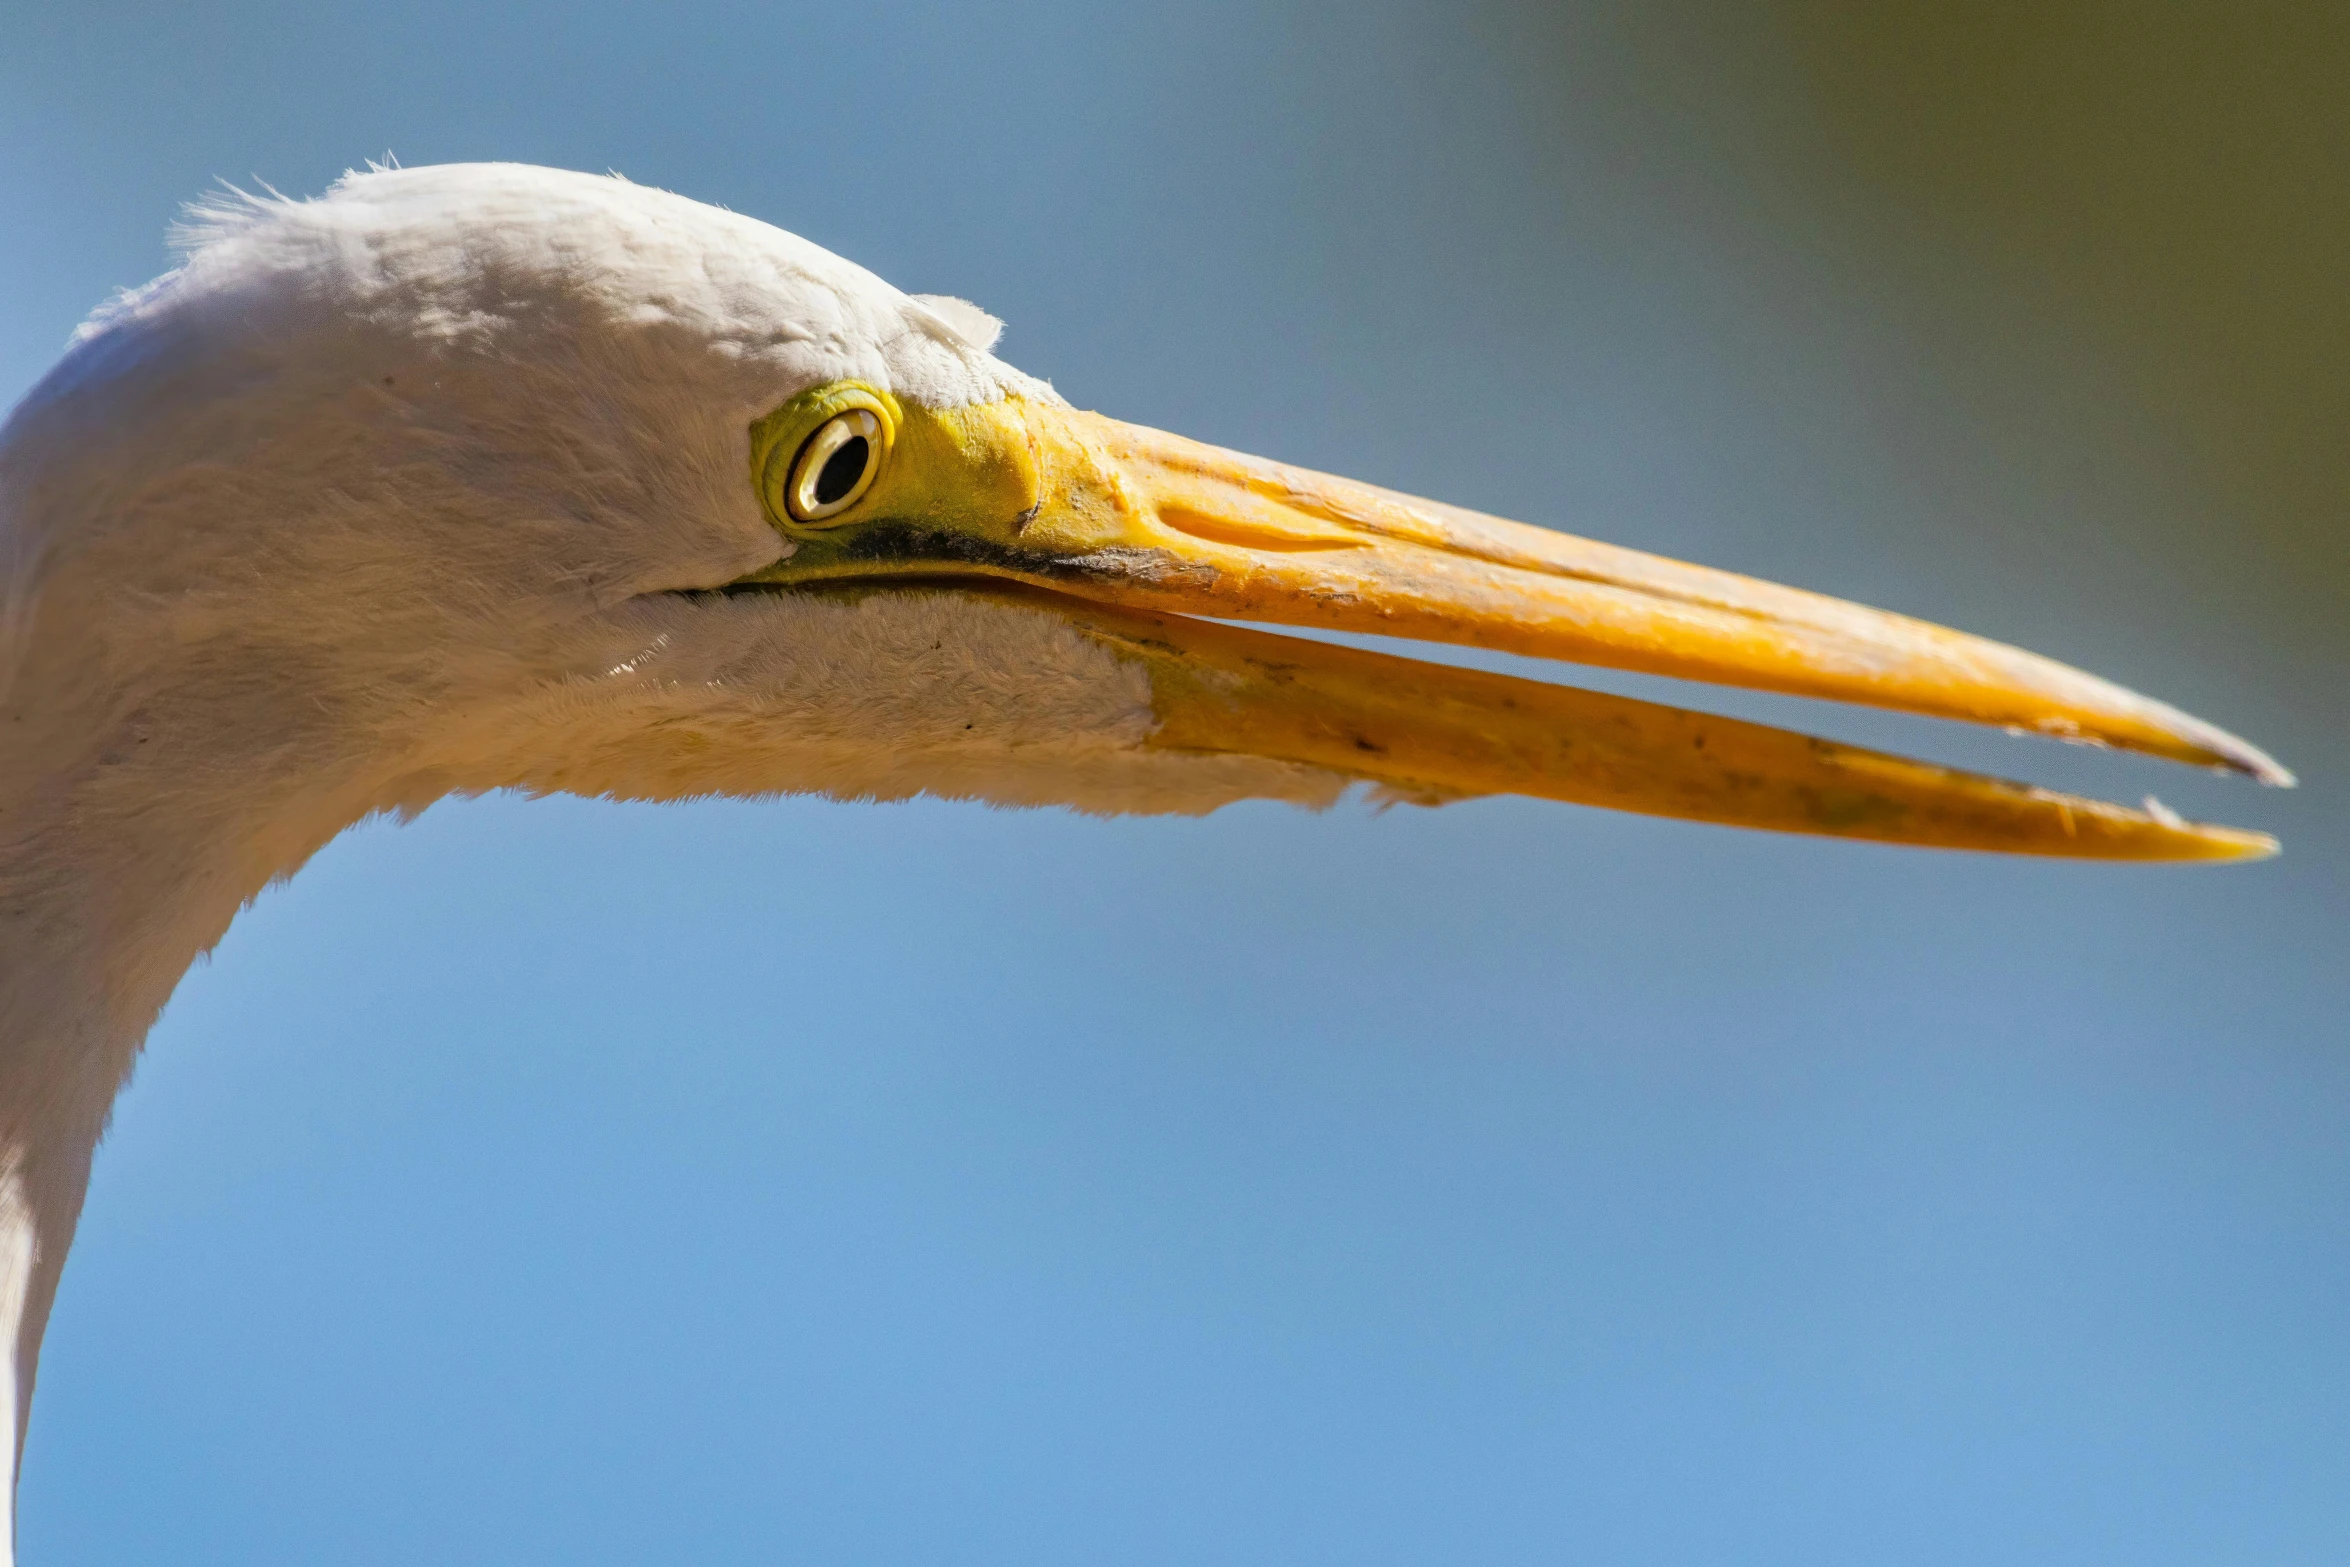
(836, 467)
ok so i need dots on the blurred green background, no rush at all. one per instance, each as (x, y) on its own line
(2163, 181)
(1499, 1183)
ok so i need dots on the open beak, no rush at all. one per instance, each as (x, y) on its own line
(1150, 530)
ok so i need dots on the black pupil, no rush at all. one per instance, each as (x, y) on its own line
(842, 470)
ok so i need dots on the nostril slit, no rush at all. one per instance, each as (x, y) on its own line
(1275, 532)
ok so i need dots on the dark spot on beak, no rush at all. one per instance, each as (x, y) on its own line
(1156, 567)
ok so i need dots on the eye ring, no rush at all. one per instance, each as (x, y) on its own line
(835, 467)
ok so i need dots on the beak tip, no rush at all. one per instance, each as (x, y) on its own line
(2236, 845)
(2243, 757)
(2232, 753)
(2277, 776)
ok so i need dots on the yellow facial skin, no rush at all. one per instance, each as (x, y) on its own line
(1150, 529)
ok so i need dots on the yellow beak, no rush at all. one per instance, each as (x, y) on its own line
(1150, 529)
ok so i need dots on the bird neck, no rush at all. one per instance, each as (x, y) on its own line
(127, 844)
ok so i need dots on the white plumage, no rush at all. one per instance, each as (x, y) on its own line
(384, 496)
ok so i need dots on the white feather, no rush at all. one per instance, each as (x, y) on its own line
(963, 318)
(389, 495)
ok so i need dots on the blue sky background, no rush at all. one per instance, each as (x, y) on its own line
(555, 1182)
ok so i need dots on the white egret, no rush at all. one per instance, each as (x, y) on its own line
(487, 477)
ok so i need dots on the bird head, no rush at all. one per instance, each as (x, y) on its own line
(487, 476)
